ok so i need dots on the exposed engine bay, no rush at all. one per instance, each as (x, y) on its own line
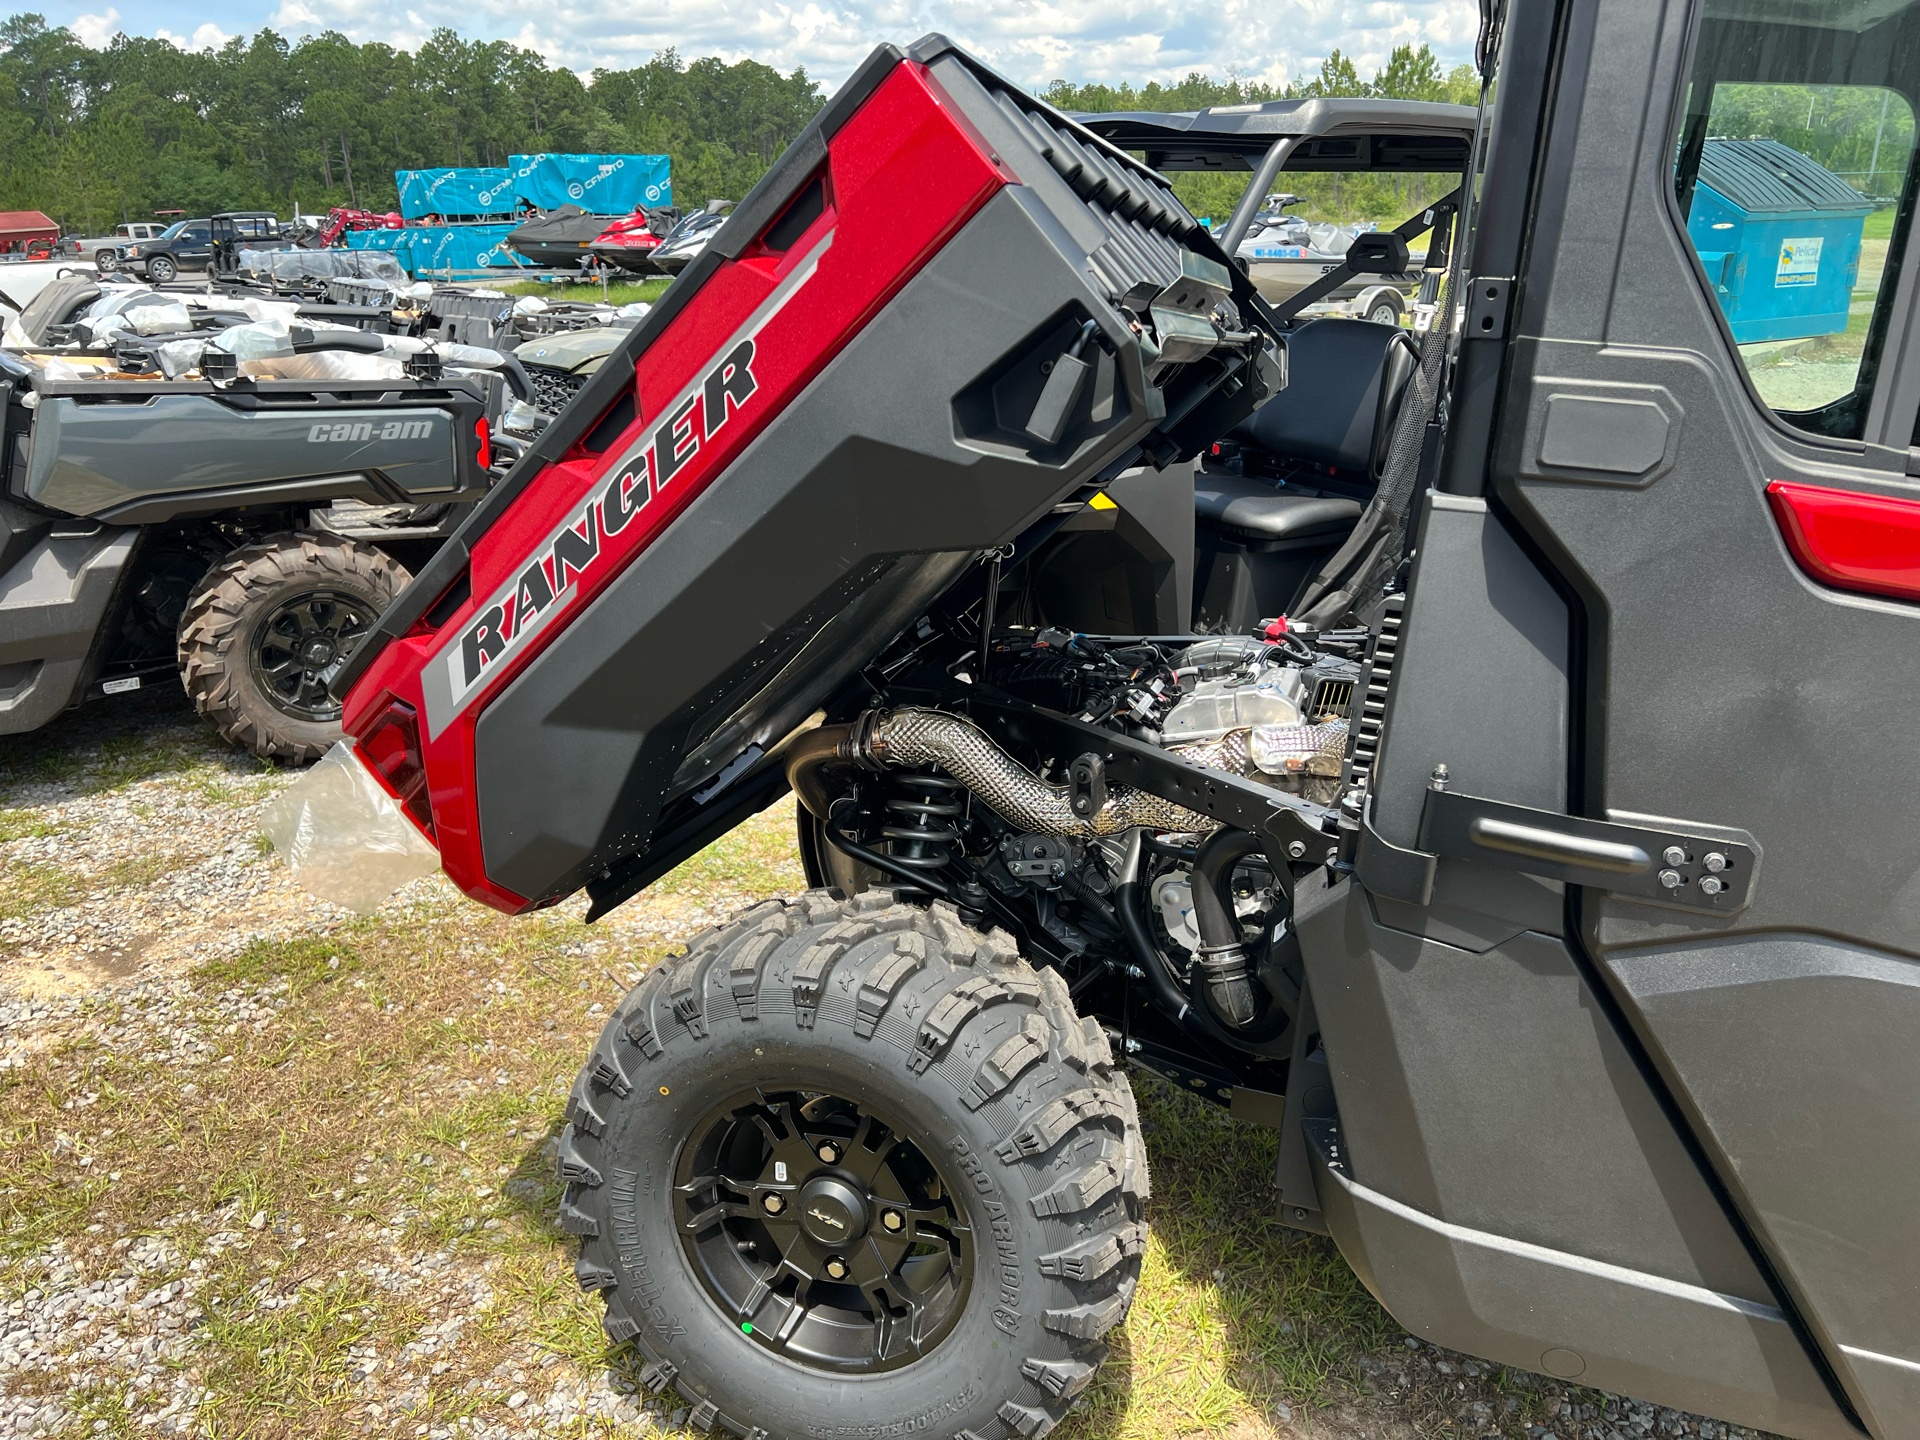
(929, 787)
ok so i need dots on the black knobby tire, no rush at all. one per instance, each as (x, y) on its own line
(237, 629)
(161, 269)
(977, 1059)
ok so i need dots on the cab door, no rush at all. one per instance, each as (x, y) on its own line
(1721, 487)
(193, 246)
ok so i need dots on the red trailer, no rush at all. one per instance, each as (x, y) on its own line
(22, 229)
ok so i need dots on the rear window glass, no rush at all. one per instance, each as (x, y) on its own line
(1795, 184)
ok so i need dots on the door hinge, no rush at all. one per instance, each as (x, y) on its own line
(1489, 298)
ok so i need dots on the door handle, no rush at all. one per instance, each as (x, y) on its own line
(1536, 843)
(1710, 868)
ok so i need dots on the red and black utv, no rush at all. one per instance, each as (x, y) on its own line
(1547, 877)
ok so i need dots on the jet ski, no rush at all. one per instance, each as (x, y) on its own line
(560, 237)
(1284, 253)
(630, 242)
(690, 237)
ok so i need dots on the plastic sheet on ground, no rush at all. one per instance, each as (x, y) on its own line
(343, 837)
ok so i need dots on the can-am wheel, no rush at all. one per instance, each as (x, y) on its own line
(267, 626)
(850, 1164)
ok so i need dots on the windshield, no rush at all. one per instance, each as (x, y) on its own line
(171, 230)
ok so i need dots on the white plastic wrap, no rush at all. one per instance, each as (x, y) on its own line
(161, 317)
(634, 310)
(256, 340)
(529, 305)
(326, 365)
(273, 312)
(343, 837)
(177, 357)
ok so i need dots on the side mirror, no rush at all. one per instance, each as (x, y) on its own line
(1378, 252)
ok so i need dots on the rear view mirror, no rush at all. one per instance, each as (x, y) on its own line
(1378, 252)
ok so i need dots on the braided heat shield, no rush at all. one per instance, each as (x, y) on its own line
(963, 750)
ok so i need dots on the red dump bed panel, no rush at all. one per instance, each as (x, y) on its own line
(901, 177)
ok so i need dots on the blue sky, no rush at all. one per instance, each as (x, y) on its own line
(1032, 40)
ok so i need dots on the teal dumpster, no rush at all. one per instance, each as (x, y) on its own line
(1779, 236)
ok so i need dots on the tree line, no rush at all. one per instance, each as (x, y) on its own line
(1409, 74)
(97, 137)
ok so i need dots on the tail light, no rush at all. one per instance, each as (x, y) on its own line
(390, 746)
(1849, 539)
(484, 454)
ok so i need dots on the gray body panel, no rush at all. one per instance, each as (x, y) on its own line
(1780, 1032)
(857, 497)
(52, 600)
(1489, 1090)
(91, 458)
(1761, 1065)
(1603, 1325)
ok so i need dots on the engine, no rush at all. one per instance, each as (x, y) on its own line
(1093, 869)
(1265, 711)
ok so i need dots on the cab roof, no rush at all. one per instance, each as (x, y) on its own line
(1342, 133)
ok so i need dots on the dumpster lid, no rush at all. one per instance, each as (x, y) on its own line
(1762, 176)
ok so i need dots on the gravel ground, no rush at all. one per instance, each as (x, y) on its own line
(344, 1300)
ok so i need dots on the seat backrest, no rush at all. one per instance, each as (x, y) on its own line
(1345, 382)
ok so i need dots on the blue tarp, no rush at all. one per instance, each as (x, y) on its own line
(599, 184)
(472, 191)
(425, 251)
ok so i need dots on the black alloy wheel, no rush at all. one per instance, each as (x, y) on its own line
(268, 625)
(298, 645)
(822, 1232)
(850, 1167)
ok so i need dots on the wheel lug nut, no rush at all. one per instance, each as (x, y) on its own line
(893, 1220)
(773, 1203)
(836, 1268)
(828, 1151)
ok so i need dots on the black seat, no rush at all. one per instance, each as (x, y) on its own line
(1345, 382)
(1257, 543)
(1254, 510)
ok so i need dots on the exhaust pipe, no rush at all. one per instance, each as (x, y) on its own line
(910, 737)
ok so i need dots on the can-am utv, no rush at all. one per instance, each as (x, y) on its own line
(1554, 893)
(228, 488)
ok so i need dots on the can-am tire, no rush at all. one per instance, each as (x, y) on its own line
(253, 633)
(832, 1038)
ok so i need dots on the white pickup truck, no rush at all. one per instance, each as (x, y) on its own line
(122, 236)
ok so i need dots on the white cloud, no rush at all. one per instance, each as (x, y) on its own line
(205, 37)
(1033, 41)
(96, 32)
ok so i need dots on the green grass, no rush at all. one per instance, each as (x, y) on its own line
(1879, 224)
(26, 887)
(402, 1098)
(304, 962)
(25, 825)
(617, 292)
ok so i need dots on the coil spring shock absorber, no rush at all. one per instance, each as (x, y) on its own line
(925, 811)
